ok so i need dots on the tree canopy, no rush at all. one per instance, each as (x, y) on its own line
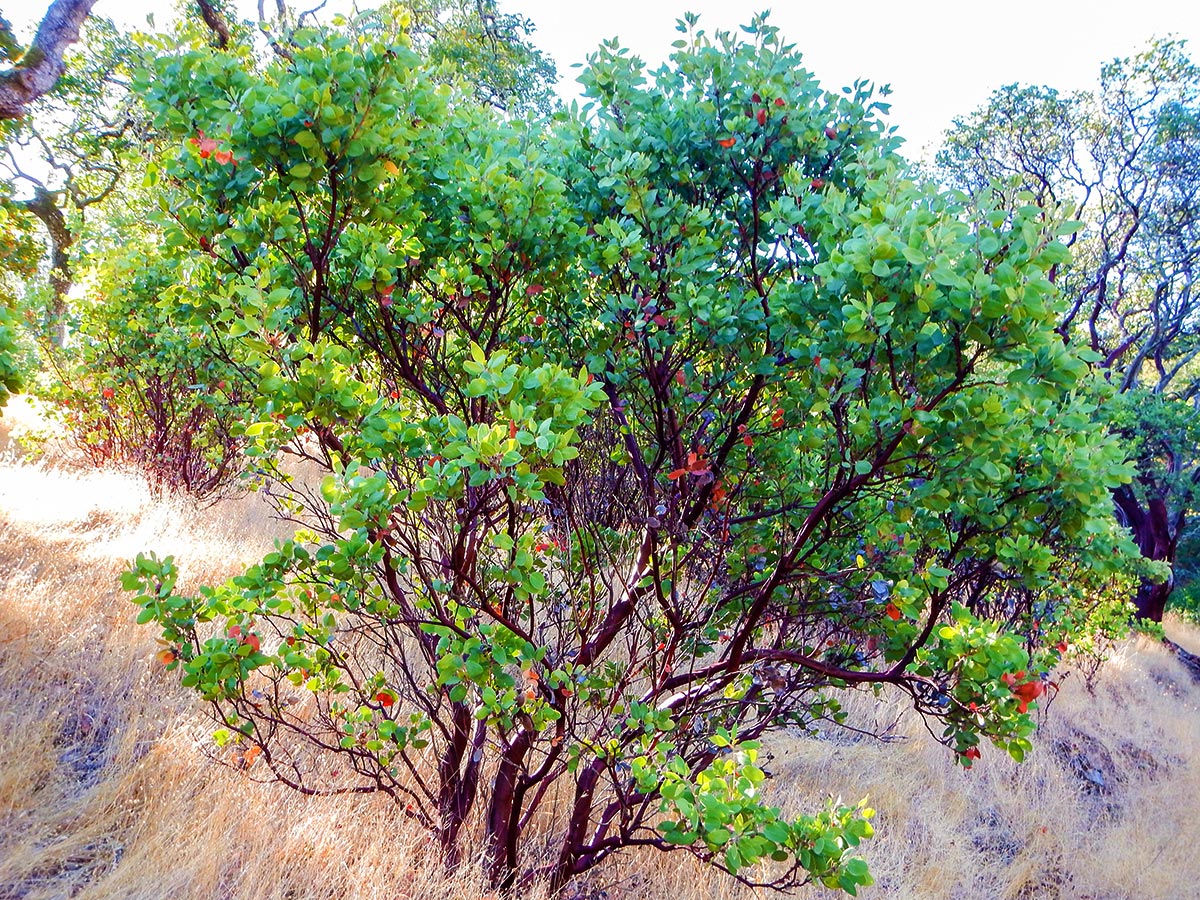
(1118, 170)
(649, 430)
(619, 439)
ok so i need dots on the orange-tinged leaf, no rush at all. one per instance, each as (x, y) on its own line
(727, 142)
(1029, 691)
(204, 144)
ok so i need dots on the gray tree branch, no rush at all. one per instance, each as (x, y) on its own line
(40, 67)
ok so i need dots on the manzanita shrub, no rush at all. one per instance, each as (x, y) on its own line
(649, 431)
(148, 383)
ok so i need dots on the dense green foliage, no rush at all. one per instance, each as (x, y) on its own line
(619, 439)
(1118, 169)
(18, 261)
(649, 430)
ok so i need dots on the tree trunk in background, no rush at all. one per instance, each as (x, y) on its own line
(38, 70)
(1157, 537)
(44, 207)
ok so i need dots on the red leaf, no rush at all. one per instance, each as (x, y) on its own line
(727, 142)
(206, 145)
(893, 612)
(762, 117)
(1029, 691)
(718, 494)
(533, 290)
(384, 698)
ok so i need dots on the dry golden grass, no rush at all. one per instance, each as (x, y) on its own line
(106, 791)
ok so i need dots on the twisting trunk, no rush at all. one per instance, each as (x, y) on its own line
(39, 69)
(576, 836)
(503, 825)
(459, 783)
(1156, 534)
(43, 206)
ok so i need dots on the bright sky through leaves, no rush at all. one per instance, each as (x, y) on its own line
(942, 57)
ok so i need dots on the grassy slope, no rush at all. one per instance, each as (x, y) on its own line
(106, 790)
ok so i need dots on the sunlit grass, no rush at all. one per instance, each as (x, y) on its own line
(107, 788)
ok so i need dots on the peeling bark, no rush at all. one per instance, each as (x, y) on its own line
(39, 69)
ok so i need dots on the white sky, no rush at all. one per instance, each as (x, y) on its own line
(941, 57)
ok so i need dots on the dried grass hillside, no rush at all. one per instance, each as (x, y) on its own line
(107, 788)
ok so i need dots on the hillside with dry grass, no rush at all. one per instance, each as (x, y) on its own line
(110, 786)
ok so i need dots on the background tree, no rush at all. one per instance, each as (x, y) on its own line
(648, 431)
(1119, 170)
(89, 135)
(70, 154)
(34, 71)
(19, 255)
(489, 50)
(28, 74)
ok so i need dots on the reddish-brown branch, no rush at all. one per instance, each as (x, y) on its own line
(215, 21)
